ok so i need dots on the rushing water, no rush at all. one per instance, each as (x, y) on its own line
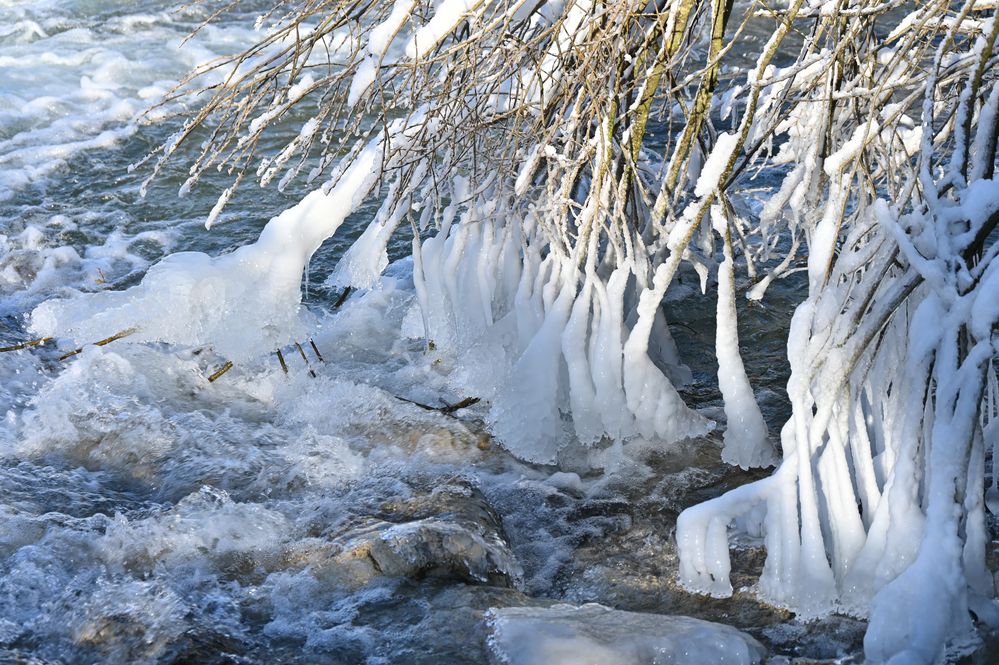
(147, 515)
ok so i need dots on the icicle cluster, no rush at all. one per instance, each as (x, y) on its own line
(878, 506)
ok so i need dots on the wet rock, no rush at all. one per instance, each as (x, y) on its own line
(18, 657)
(445, 528)
(129, 621)
(634, 568)
(571, 635)
(833, 639)
(441, 622)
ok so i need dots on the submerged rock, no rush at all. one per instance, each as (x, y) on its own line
(571, 635)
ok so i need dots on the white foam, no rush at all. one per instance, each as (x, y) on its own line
(64, 92)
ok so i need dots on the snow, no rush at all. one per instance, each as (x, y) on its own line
(447, 16)
(716, 163)
(379, 39)
(363, 78)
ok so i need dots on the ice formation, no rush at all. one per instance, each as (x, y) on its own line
(747, 443)
(569, 635)
(878, 505)
(241, 304)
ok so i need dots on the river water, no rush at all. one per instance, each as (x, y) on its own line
(147, 515)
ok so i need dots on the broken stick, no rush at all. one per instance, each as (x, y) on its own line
(301, 352)
(447, 409)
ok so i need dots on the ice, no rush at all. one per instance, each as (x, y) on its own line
(746, 440)
(525, 414)
(574, 635)
(231, 499)
(191, 299)
(652, 398)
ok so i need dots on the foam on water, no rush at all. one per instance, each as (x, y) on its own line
(194, 511)
(75, 75)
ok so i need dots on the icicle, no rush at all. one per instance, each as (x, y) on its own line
(652, 399)
(746, 440)
(607, 366)
(525, 416)
(582, 393)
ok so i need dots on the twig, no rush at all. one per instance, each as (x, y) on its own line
(103, 342)
(25, 345)
(343, 297)
(284, 365)
(315, 349)
(447, 409)
(220, 371)
(301, 352)
(468, 401)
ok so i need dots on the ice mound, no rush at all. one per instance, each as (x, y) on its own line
(241, 304)
(594, 634)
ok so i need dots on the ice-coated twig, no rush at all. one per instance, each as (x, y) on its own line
(305, 359)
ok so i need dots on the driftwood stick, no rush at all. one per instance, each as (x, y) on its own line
(220, 371)
(315, 349)
(25, 345)
(301, 352)
(103, 342)
(284, 365)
